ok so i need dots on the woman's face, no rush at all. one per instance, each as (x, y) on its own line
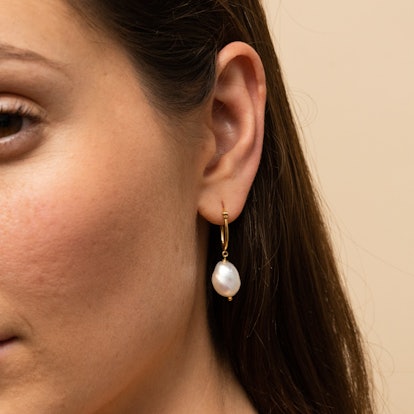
(97, 218)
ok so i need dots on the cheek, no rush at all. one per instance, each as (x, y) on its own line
(53, 230)
(87, 236)
(86, 261)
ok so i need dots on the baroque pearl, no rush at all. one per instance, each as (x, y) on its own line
(226, 279)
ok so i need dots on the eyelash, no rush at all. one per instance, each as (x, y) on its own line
(20, 110)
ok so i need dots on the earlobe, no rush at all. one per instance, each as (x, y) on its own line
(237, 124)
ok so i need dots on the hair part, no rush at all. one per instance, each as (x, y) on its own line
(289, 334)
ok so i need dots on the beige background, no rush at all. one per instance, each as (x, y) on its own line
(349, 67)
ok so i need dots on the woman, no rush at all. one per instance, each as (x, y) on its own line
(130, 134)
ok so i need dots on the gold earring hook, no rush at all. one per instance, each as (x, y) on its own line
(224, 230)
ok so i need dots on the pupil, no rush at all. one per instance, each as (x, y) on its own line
(10, 124)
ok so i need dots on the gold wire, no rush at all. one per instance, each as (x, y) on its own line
(224, 230)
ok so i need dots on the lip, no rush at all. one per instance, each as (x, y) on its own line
(9, 329)
(7, 335)
(8, 340)
(6, 345)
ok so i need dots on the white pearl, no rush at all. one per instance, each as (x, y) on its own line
(226, 279)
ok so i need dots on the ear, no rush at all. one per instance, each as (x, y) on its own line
(236, 113)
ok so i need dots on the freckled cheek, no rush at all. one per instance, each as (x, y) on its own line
(66, 244)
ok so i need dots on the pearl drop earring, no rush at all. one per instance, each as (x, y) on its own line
(225, 278)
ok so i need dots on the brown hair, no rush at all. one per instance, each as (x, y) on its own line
(289, 334)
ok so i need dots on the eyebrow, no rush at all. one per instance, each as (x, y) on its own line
(9, 52)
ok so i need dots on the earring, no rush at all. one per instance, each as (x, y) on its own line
(225, 278)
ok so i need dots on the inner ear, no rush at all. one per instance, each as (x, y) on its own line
(224, 126)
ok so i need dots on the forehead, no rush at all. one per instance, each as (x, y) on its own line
(50, 29)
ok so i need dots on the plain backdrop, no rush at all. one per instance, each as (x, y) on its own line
(349, 68)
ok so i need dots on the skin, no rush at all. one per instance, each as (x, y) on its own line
(103, 210)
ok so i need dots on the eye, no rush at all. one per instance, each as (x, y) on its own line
(19, 122)
(15, 119)
(10, 124)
